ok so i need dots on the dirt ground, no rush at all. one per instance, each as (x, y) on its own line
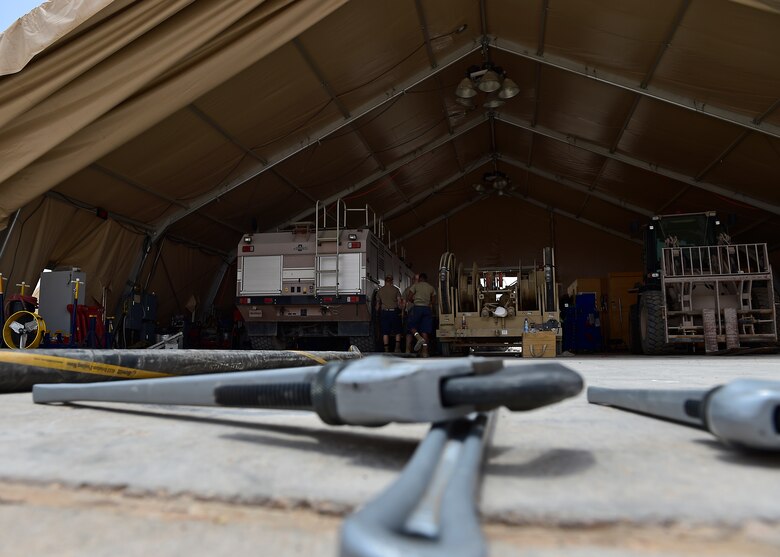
(70, 521)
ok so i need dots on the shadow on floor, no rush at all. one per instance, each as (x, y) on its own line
(361, 446)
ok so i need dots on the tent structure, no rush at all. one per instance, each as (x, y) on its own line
(140, 139)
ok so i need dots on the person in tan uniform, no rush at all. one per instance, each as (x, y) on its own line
(407, 313)
(389, 304)
(422, 295)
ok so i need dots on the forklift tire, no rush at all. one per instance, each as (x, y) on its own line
(651, 323)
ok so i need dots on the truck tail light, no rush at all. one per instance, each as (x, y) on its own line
(353, 299)
(247, 248)
(327, 300)
(243, 300)
(268, 300)
(353, 245)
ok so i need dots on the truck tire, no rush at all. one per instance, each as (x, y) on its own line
(265, 343)
(363, 343)
(652, 328)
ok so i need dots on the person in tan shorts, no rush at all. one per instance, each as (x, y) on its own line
(422, 295)
(407, 314)
(389, 304)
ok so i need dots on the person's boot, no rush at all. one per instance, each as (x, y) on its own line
(420, 342)
(398, 347)
(387, 348)
(424, 351)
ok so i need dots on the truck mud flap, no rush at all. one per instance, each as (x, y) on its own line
(260, 329)
(353, 329)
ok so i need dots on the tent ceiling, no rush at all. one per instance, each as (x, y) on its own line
(626, 109)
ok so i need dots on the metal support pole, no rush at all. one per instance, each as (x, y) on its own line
(212, 294)
(9, 231)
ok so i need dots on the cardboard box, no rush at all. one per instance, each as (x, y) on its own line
(539, 345)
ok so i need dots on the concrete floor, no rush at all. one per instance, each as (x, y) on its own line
(576, 479)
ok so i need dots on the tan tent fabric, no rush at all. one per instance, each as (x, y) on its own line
(101, 250)
(103, 87)
(42, 27)
(39, 227)
(54, 234)
(772, 6)
(273, 24)
(58, 68)
(193, 122)
(175, 289)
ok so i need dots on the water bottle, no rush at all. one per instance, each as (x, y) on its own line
(525, 325)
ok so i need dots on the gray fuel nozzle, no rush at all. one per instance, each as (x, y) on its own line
(743, 413)
(378, 390)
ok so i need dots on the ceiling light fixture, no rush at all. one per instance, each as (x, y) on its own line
(487, 79)
(495, 182)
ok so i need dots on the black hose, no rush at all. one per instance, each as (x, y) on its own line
(20, 370)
